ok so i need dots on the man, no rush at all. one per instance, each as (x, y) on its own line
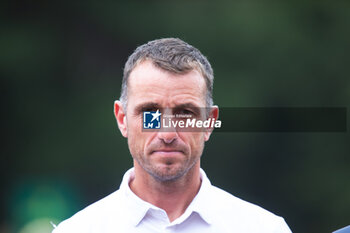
(166, 190)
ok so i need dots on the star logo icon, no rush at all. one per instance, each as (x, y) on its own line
(156, 115)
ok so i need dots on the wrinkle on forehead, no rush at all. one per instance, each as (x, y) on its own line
(150, 83)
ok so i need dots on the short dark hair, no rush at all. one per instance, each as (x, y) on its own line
(173, 55)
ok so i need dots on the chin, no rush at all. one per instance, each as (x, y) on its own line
(168, 173)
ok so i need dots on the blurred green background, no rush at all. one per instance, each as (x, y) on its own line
(61, 68)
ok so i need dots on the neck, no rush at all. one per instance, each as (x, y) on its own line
(174, 196)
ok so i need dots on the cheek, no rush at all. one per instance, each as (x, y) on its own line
(136, 145)
(200, 142)
(138, 140)
(195, 141)
(135, 139)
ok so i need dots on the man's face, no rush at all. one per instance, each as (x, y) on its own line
(164, 155)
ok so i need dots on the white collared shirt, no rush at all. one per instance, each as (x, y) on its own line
(212, 210)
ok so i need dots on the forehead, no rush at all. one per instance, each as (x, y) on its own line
(148, 83)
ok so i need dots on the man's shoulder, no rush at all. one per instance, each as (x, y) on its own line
(99, 211)
(237, 211)
(226, 200)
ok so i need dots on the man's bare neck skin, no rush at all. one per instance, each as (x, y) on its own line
(173, 197)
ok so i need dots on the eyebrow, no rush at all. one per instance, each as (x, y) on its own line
(153, 105)
(191, 106)
(141, 107)
(186, 105)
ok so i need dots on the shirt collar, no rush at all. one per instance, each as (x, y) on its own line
(201, 203)
(138, 208)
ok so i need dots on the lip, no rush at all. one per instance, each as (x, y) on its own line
(167, 152)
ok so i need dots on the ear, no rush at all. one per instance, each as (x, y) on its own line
(214, 113)
(120, 116)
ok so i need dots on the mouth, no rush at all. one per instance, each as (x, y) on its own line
(167, 152)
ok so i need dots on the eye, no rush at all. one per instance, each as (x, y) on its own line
(187, 112)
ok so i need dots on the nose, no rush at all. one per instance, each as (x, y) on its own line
(167, 137)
